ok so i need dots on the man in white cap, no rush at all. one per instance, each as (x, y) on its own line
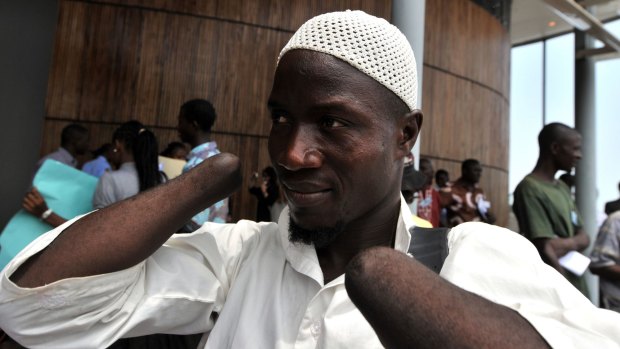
(344, 117)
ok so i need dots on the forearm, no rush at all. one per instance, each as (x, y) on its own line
(122, 235)
(410, 306)
(581, 240)
(548, 253)
(610, 273)
(55, 220)
(562, 246)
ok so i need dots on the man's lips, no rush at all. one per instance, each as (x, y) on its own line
(306, 194)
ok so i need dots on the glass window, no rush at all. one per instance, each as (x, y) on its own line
(526, 82)
(560, 80)
(607, 104)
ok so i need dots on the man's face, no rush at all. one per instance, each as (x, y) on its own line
(184, 128)
(334, 148)
(473, 173)
(568, 152)
(442, 180)
(81, 144)
(427, 170)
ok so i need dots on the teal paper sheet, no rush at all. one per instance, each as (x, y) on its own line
(67, 191)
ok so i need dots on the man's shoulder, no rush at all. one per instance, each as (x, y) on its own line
(527, 182)
(243, 232)
(613, 204)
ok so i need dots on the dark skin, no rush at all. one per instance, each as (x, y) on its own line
(410, 316)
(338, 150)
(35, 204)
(317, 120)
(77, 146)
(190, 132)
(563, 154)
(122, 235)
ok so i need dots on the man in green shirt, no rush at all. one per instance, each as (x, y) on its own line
(544, 208)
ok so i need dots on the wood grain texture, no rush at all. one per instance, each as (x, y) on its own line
(463, 38)
(280, 14)
(465, 94)
(118, 60)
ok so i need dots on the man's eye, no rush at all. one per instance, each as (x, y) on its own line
(330, 122)
(278, 118)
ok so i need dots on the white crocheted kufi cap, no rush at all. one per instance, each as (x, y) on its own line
(370, 44)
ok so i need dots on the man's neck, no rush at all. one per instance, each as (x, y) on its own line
(545, 171)
(335, 257)
(200, 138)
(70, 150)
(467, 184)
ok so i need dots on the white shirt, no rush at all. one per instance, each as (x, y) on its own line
(269, 293)
(117, 185)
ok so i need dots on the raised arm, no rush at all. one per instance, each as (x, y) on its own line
(122, 235)
(409, 306)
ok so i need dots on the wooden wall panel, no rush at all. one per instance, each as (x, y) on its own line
(281, 14)
(465, 96)
(463, 38)
(463, 119)
(117, 60)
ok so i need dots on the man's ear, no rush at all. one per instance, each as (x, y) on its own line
(410, 127)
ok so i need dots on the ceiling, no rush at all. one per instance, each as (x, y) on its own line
(530, 19)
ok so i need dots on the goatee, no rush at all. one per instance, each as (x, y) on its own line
(321, 237)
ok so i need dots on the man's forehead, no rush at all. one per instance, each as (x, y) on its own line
(306, 76)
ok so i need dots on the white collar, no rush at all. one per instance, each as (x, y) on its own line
(303, 258)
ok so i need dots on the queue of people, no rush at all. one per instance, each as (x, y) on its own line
(338, 269)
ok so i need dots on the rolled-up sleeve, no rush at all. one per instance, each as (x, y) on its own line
(505, 268)
(176, 290)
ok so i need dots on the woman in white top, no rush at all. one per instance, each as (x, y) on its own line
(136, 152)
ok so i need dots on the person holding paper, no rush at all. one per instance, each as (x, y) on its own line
(468, 201)
(543, 205)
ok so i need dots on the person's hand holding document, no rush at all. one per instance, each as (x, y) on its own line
(575, 262)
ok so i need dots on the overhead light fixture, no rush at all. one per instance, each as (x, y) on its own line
(571, 18)
(551, 24)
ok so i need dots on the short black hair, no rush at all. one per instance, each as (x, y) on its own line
(201, 111)
(468, 163)
(72, 133)
(441, 172)
(553, 132)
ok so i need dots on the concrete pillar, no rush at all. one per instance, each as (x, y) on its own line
(585, 123)
(408, 16)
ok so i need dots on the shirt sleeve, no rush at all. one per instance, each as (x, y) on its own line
(505, 268)
(606, 249)
(176, 290)
(530, 213)
(104, 193)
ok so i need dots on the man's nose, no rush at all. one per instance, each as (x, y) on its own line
(301, 151)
